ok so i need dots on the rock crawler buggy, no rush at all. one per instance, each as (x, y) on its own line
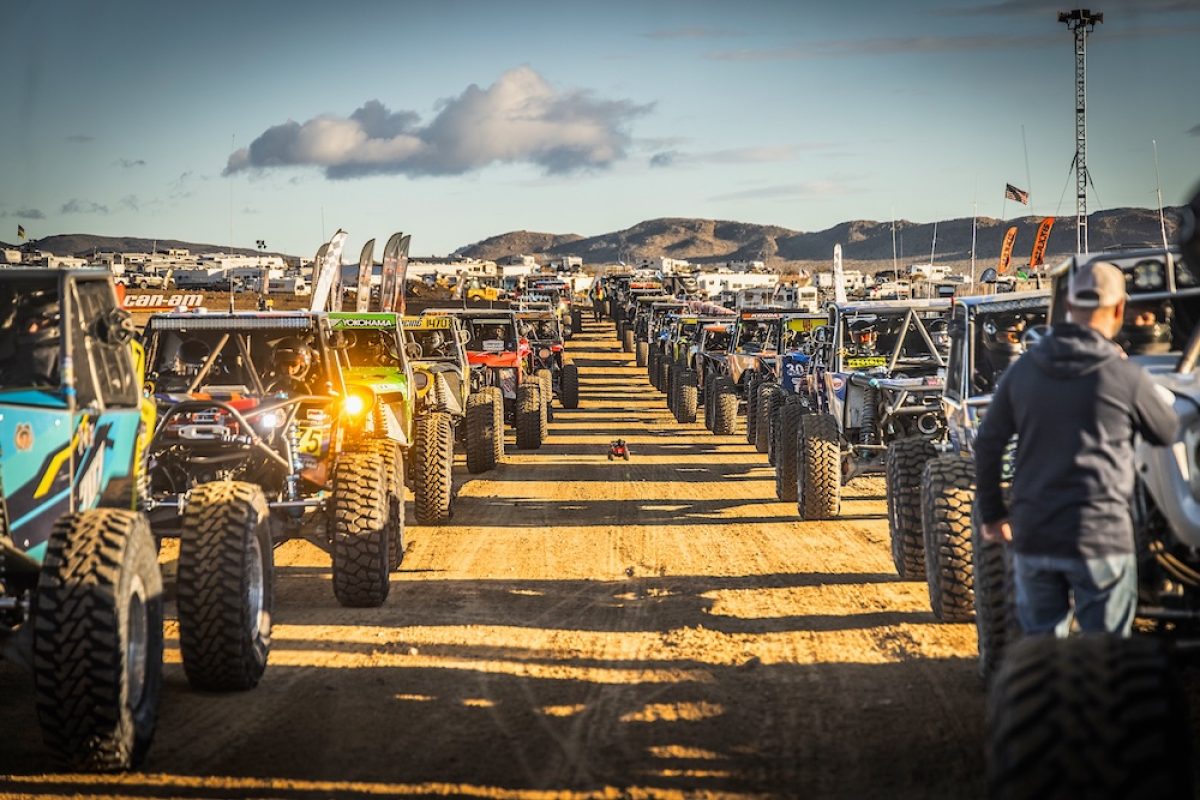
(547, 352)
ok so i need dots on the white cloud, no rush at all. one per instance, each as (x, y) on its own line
(518, 119)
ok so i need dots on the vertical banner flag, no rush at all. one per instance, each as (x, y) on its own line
(1038, 256)
(1013, 193)
(330, 265)
(21, 232)
(362, 291)
(387, 281)
(316, 264)
(402, 274)
(1010, 237)
(839, 276)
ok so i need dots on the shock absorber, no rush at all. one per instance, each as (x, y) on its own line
(293, 479)
(870, 413)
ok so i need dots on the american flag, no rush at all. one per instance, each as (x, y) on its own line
(1013, 193)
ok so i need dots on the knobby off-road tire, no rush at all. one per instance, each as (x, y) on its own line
(906, 460)
(768, 396)
(686, 396)
(569, 380)
(497, 396)
(98, 640)
(576, 320)
(1093, 716)
(358, 524)
(642, 353)
(725, 406)
(673, 389)
(652, 368)
(433, 468)
(818, 467)
(786, 449)
(481, 433)
(529, 416)
(546, 379)
(226, 585)
(752, 384)
(709, 402)
(664, 376)
(627, 340)
(996, 625)
(393, 468)
(947, 493)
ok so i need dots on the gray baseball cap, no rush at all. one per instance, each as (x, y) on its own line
(1097, 285)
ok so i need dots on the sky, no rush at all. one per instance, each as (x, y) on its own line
(282, 120)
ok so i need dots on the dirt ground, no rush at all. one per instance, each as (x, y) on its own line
(583, 628)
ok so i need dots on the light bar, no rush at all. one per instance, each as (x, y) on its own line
(220, 322)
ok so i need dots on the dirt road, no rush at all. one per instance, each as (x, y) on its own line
(660, 628)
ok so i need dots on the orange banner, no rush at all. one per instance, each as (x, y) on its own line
(1010, 237)
(1038, 256)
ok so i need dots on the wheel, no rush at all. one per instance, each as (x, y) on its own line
(497, 422)
(576, 320)
(818, 467)
(481, 433)
(393, 467)
(652, 374)
(905, 462)
(642, 353)
(663, 370)
(358, 525)
(725, 406)
(1093, 716)
(225, 585)
(995, 600)
(627, 340)
(610, 456)
(569, 386)
(710, 402)
(768, 395)
(785, 451)
(529, 416)
(98, 640)
(686, 395)
(433, 468)
(947, 493)
(752, 383)
(546, 379)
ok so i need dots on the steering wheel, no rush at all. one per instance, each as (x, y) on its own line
(413, 350)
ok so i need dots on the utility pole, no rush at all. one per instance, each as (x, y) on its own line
(1081, 22)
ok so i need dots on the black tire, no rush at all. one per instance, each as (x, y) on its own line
(497, 422)
(686, 397)
(641, 353)
(996, 625)
(393, 467)
(627, 340)
(786, 449)
(481, 433)
(708, 403)
(546, 379)
(98, 640)
(576, 320)
(818, 467)
(433, 468)
(947, 493)
(725, 406)
(225, 585)
(652, 358)
(752, 384)
(1093, 716)
(529, 415)
(569, 388)
(663, 369)
(673, 389)
(906, 460)
(358, 525)
(768, 396)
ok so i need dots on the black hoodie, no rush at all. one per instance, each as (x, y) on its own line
(1075, 404)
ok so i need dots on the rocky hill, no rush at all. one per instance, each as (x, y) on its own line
(82, 245)
(706, 240)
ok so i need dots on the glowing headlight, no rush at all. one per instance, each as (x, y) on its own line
(543, 353)
(271, 419)
(354, 405)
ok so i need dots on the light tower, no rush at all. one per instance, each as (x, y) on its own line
(1081, 22)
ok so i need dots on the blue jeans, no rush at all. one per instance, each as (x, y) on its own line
(1104, 591)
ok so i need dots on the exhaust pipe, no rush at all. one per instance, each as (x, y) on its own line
(929, 424)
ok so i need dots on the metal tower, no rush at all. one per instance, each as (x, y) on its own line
(1081, 22)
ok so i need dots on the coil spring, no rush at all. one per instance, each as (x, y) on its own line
(293, 438)
(870, 413)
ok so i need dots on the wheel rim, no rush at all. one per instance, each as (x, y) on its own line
(255, 586)
(137, 644)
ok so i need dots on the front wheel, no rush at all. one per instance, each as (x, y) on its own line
(98, 640)
(433, 468)
(947, 494)
(906, 460)
(358, 524)
(529, 416)
(569, 380)
(481, 433)
(818, 467)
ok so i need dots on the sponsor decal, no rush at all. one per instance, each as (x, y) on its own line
(862, 362)
(427, 323)
(363, 322)
(151, 302)
(91, 481)
(23, 437)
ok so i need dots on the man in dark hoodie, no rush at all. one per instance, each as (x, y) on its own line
(1075, 404)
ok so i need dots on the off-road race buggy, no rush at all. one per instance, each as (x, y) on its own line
(720, 413)
(502, 385)
(559, 377)
(754, 334)
(434, 346)
(752, 363)
(1124, 694)
(80, 589)
(260, 440)
(783, 396)
(646, 309)
(986, 337)
(657, 321)
(876, 409)
(627, 305)
(562, 300)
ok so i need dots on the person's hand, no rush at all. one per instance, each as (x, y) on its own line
(998, 531)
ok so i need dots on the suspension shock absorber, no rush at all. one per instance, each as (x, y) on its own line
(293, 479)
(870, 413)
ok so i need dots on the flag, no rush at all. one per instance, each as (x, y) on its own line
(1013, 193)
(1010, 237)
(1038, 257)
(21, 232)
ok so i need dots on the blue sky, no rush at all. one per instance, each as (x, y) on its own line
(458, 120)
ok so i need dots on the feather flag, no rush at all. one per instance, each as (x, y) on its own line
(1010, 237)
(1038, 256)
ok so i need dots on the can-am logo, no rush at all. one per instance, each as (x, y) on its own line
(144, 301)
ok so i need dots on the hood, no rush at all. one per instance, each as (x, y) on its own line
(1073, 350)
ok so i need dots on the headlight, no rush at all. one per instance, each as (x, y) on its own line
(420, 380)
(354, 405)
(271, 419)
(357, 402)
(543, 353)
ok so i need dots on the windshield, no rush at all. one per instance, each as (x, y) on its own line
(869, 340)
(430, 343)
(30, 334)
(215, 362)
(757, 335)
(491, 334)
(369, 348)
